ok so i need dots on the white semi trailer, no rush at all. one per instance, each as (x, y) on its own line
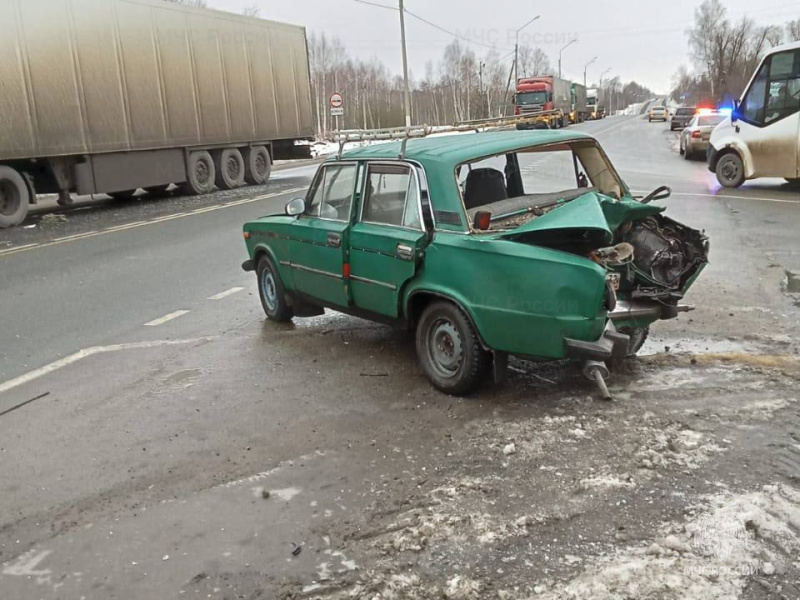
(110, 96)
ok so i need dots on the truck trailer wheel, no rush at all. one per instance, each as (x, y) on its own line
(230, 169)
(14, 198)
(200, 174)
(258, 165)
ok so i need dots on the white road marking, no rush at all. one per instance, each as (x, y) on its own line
(227, 293)
(75, 236)
(85, 353)
(16, 248)
(13, 251)
(167, 318)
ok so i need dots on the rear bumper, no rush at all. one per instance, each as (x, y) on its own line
(611, 344)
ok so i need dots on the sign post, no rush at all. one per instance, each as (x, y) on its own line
(337, 107)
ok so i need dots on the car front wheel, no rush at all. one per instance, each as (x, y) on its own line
(730, 171)
(272, 292)
(449, 350)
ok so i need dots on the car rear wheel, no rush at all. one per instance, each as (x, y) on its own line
(271, 292)
(449, 350)
(795, 183)
(730, 171)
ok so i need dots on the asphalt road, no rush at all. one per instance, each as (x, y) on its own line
(145, 404)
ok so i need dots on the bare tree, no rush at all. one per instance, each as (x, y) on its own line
(251, 11)
(533, 62)
(726, 53)
(793, 30)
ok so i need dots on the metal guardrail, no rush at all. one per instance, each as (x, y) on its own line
(421, 131)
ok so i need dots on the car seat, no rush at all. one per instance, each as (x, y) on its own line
(484, 186)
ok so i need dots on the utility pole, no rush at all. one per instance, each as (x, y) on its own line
(559, 58)
(585, 67)
(407, 91)
(516, 49)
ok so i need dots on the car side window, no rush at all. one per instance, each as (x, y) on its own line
(783, 93)
(332, 193)
(392, 196)
(752, 108)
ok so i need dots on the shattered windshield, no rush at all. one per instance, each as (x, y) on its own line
(533, 179)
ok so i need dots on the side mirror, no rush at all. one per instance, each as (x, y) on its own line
(661, 193)
(735, 112)
(296, 207)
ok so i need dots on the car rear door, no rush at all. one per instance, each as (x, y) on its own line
(319, 237)
(387, 241)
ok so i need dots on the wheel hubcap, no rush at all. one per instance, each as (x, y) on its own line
(268, 290)
(202, 171)
(261, 164)
(730, 171)
(9, 199)
(233, 168)
(445, 348)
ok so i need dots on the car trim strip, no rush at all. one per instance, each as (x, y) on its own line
(389, 286)
(374, 251)
(315, 271)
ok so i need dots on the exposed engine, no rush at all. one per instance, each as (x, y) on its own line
(664, 251)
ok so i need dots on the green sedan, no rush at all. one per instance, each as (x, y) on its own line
(489, 244)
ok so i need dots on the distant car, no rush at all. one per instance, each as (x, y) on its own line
(695, 138)
(658, 113)
(682, 117)
(449, 237)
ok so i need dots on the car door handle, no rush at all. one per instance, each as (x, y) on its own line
(405, 252)
(334, 240)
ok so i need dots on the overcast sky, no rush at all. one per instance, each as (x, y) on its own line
(640, 40)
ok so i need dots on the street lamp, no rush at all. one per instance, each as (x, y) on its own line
(516, 47)
(585, 67)
(559, 55)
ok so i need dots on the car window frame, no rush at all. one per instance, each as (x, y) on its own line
(413, 169)
(766, 65)
(315, 183)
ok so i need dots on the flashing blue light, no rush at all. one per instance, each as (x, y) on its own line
(725, 111)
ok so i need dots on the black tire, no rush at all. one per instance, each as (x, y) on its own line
(271, 292)
(687, 155)
(730, 170)
(681, 151)
(638, 337)
(449, 350)
(794, 183)
(124, 196)
(229, 165)
(15, 198)
(258, 165)
(200, 174)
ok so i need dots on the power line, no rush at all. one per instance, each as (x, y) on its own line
(429, 23)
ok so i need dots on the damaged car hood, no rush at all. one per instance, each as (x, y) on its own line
(593, 216)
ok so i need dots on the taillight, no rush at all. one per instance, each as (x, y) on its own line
(516, 111)
(696, 134)
(247, 235)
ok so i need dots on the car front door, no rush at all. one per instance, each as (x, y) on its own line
(318, 237)
(769, 116)
(387, 242)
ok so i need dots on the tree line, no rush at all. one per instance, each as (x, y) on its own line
(724, 54)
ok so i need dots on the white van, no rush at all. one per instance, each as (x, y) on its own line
(762, 136)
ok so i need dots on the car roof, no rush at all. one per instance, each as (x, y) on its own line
(439, 155)
(455, 149)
